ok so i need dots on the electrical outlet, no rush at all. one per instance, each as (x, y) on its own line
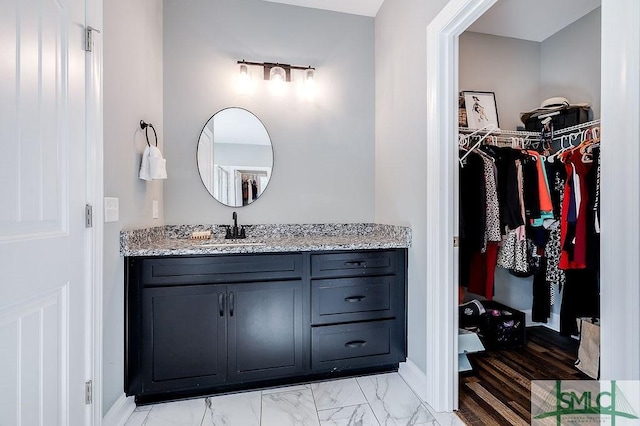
(156, 212)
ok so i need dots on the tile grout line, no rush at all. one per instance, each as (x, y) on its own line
(261, 404)
(313, 396)
(144, 422)
(205, 412)
(367, 399)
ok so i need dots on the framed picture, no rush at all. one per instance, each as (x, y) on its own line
(481, 109)
(462, 112)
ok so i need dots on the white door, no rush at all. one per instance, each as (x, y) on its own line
(44, 323)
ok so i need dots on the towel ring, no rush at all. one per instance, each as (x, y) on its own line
(146, 126)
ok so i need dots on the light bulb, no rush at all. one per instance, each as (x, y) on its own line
(244, 78)
(278, 77)
(309, 83)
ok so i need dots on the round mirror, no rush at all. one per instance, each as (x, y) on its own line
(235, 157)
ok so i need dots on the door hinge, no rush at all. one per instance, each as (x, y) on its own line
(88, 216)
(456, 241)
(88, 46)
(88, 392)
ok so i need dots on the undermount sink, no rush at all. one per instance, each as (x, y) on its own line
(231, 244)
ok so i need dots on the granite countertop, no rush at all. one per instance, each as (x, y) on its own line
(174, 240)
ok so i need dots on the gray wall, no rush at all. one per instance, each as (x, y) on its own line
(132, 91)
(401, 134)
(323, 149)
(570, 63)
(508, 67)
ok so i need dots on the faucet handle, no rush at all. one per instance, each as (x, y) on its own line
(228, 232)
(242, 232)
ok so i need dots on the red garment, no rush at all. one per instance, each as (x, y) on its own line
(543, 189)
(482, 270)
(579, 260)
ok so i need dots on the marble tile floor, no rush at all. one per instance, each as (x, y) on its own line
(377, 400)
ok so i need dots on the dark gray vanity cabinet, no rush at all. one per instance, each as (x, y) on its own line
(208, 321)
(183, 338)
(206, 324)
(264, 327)
(357, 309)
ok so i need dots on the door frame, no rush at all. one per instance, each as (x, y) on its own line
(620, 242)
(94, 197)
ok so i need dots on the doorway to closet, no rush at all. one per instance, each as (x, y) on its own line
(620, 178)
(507, 67)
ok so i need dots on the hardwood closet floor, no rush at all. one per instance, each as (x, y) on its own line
(497, 391)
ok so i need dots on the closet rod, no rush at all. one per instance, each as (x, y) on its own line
(577, 127)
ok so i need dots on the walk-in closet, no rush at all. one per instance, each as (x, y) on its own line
(528, 204)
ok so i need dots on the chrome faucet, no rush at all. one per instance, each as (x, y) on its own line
(235, 233)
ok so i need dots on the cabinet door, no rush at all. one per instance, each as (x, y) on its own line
(183, 337)
(265, 330)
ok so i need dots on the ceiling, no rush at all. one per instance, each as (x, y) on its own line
(356, 7)
(528, 20)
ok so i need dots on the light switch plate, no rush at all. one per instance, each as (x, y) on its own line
(111, 209)
(155, 209)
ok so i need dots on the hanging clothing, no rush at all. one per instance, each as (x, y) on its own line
(592, 181)
(546, 206)
(556, 173)
(580, 298)
(482, 271)
(574, 229)
(472, 202)
(508, 192)
(546, 216)
(541, 305)
(471, 216)
(492, 212)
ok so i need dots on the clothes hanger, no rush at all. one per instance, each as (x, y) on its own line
(488, 128)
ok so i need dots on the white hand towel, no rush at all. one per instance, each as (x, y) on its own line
(144, 165)
(157, 164)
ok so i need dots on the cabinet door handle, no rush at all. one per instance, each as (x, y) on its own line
(355, 344)
(356, 263)
(354, 299)
(231, 304)
(221, 304)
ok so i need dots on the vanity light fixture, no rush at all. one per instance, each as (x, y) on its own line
(275, 70)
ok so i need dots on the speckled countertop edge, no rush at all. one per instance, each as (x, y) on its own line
(173, 240)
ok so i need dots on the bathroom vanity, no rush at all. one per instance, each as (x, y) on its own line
(291, 303)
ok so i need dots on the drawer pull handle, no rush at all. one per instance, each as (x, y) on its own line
(358, 263)
(355, 344)
(221, 304)
(354, 299)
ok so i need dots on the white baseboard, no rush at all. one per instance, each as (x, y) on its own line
(119, 411)
(553, 323)
(415, 378)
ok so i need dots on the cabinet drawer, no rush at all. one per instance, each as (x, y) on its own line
(220, 269)
(353, 299)
(354, 345)
(350, 264)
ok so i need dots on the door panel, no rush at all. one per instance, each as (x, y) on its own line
(42, 236)
(184, 338)
(265, 329)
